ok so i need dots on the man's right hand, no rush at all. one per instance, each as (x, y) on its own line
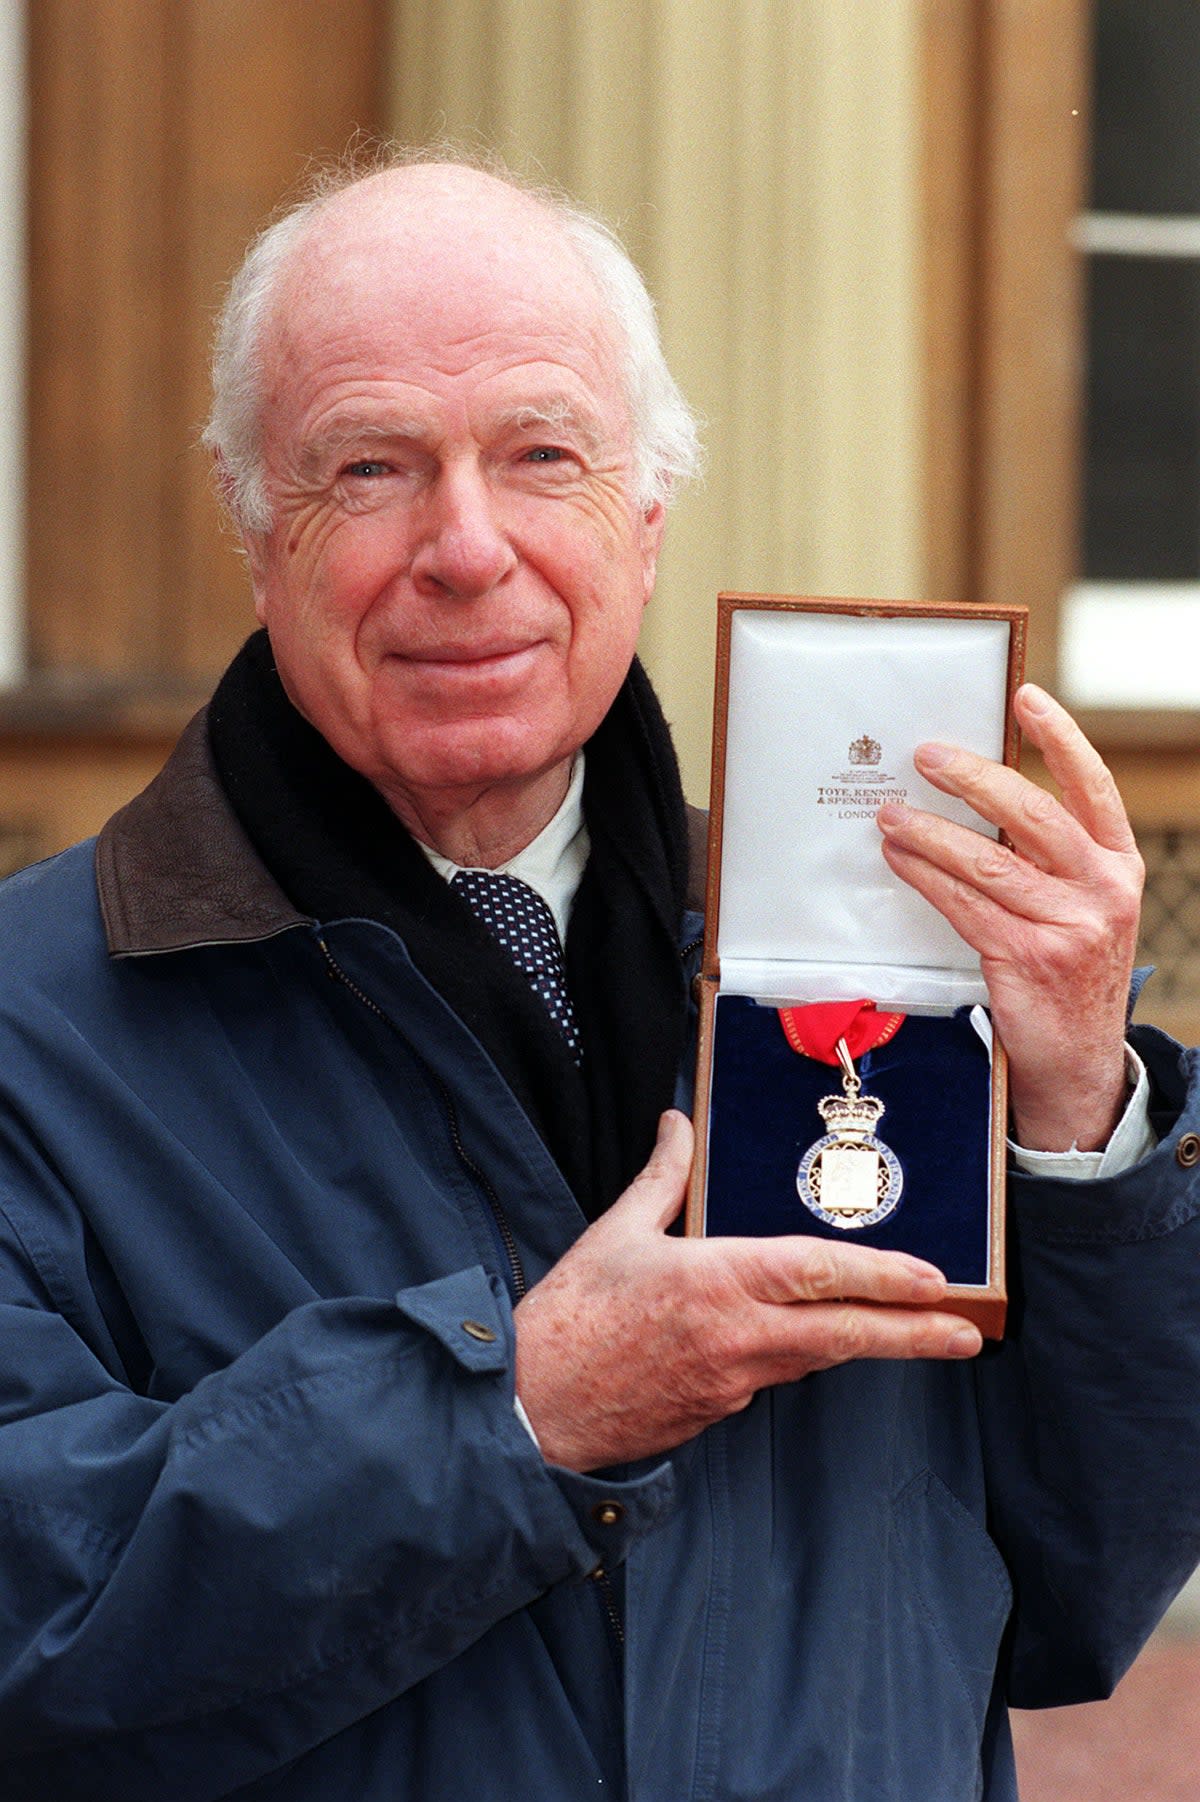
(638, 1339)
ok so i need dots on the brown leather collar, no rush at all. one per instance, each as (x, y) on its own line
(174, 868)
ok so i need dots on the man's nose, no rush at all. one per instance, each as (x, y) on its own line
(464, 548)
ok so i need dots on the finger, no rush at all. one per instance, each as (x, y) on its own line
(656, 1194)
(966, 873)
(1055, 834)
(1017, 929)
(797, 1268)
(822, 1335)
(1039, 826)
(957, 901)
(1088, 789)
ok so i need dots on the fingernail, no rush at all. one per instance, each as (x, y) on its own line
(891, 816)
(964, 1342)
(927, 1277)
(933, 757)
(1034, 699)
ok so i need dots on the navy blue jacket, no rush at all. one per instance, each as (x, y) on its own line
(270, 1526)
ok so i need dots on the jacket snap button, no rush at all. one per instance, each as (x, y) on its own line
(607, 1514)
(477, 1330)
(1187, 1152)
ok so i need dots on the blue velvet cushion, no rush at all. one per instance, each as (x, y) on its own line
(935, 1079)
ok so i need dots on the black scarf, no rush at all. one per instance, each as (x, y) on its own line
(336, 849)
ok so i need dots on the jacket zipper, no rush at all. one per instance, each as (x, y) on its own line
(608, 1602)
(516, 1270)
(600, 1576)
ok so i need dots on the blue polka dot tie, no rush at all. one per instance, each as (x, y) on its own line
(517, 916)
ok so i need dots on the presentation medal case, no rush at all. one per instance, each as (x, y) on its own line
(847, 1081)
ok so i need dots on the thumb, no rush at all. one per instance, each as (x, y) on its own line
(656, 1194)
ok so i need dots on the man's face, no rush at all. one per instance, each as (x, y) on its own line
(457, 567)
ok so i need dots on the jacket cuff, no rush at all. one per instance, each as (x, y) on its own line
(614, 1514)
(1146, 1201)
(469, 1314)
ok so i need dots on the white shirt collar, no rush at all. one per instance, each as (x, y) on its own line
(553, 862)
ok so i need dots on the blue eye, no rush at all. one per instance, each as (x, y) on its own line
(546, 453)
(366, 466)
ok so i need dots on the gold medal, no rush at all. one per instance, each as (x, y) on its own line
(850, 1179)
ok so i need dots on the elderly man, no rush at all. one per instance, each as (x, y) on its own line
(340, 1457)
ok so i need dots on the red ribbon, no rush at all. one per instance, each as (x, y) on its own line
(814, 1031)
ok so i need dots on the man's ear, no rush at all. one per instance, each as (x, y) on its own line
(253, 543)
(654, 520)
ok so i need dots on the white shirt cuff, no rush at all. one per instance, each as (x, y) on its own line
(1133, 1139)
(525, 1421)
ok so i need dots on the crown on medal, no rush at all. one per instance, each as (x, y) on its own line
(865, 750)
(851, 1113)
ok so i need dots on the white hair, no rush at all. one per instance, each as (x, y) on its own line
(666, 439)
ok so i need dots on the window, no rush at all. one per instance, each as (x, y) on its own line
(1129, 622)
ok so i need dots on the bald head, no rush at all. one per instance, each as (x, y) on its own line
(439, 225)
(439, 230)
(470, 218)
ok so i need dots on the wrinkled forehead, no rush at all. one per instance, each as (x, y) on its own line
(442, 271)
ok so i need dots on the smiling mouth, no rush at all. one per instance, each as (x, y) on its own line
(470, 658)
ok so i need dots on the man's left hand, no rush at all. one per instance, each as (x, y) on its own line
(1053, 914)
